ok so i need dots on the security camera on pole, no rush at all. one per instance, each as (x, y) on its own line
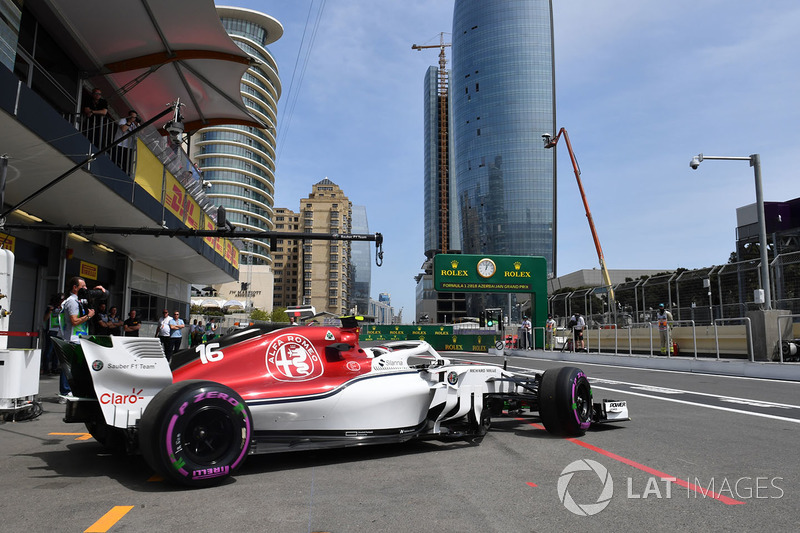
(764, 321)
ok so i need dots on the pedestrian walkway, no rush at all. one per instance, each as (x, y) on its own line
(703, 365)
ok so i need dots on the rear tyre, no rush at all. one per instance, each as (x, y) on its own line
(565, 401)
(195, 433)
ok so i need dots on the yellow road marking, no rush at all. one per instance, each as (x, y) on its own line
(109, 519)
(79, 436)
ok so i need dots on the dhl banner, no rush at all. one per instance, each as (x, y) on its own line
(8, 242)
(149, 175)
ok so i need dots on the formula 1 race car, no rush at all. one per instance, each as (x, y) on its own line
(299, 388)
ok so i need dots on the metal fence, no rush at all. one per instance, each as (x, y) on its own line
(701, 295)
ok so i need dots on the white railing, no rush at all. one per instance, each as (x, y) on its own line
(749, 333)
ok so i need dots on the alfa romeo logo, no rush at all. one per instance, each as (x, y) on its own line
(293, 357)
(585, 509)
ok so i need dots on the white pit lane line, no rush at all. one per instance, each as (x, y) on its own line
(717, 407)
(663, 390)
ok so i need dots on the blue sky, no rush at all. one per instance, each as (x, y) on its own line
(641, 87)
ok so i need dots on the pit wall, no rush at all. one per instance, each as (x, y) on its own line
(733, 340)
(441, 338)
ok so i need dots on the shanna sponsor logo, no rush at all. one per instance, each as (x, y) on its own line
(380, 364)
(112, 398)
(292, 357)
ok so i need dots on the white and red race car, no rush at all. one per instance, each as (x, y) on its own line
(299, 388)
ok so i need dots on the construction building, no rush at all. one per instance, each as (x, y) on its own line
(442, 227)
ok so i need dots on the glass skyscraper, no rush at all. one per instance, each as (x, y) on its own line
(360, 262)
(239, 161)
(503, 100)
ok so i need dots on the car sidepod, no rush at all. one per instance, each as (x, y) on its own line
(457, 407)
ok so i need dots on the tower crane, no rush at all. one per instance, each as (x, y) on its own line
(444, 155)
(550, 142)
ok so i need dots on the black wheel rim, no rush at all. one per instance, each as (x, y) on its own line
(208, 436)
(583, 401)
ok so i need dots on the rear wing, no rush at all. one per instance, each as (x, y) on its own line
(122, 374)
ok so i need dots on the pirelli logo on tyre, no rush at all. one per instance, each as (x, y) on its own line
(292, 357)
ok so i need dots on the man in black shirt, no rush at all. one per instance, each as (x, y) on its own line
(100, 321)
(132, 324)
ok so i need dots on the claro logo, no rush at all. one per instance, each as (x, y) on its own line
(110, 398)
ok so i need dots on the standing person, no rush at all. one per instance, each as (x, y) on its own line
(199, 331)
(526, 333)
(580, 324)
(100, 325)
(114, 321)
(549, 331)
(95, 112)
(52, 328)
(97, 105)
(571, 323)
(211, 329)
(176, 324)
(75, 322)
(192, 332)
(663, 317)
(132, 324)
(122, 151)
(163, 333)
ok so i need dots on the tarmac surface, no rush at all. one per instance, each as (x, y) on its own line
(706, 365)
(704, 451)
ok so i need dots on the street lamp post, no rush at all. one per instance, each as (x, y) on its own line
(755, 162)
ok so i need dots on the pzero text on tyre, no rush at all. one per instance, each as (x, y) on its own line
(195, 433)
(565, 401)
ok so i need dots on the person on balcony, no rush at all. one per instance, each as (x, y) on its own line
(97, 105)
(95, 112)
(121, 155)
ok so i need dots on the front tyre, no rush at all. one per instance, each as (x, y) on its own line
(565, 401)
(195, 433)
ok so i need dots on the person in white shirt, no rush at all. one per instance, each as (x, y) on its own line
(526, 333)
(549, 331)
(580, 324)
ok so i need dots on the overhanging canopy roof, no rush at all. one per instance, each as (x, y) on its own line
(151, 52)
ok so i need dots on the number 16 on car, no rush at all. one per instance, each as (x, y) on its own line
(209, 353)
